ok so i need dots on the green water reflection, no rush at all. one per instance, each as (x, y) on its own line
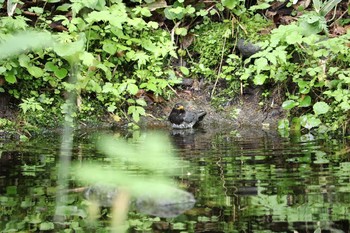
(249, 181)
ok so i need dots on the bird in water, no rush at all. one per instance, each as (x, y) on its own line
(182, 119)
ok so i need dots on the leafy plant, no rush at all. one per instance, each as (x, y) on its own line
(314, 22)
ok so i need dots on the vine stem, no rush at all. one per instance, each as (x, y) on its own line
(219, 71)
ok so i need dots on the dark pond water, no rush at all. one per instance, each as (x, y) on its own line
(243, 181)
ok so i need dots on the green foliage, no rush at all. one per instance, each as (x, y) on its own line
(119, 52)
(314, 22)
(122, 51)
(209, 43)
(314, 67)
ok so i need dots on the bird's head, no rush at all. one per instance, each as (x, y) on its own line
(179, 107)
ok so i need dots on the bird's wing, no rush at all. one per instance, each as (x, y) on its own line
(190, 117)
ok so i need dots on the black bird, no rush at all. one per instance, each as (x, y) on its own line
(182, 119)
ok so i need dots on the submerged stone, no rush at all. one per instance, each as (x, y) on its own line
(171, 204)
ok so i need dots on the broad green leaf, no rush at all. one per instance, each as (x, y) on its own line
(153, 24)
(259, 79)
(261, 6)
(141, 102)
(261, 64)
(2, 69)
(132, 88)
(109, 46)
(45, 226)
(10, 78)
(64, 7)
(87, 58)
(184, 70)
(141, 58)
(309, 121)
(61, 73)
(230, 4)
(139, 111)
(344, 105)
(35, 71)
(181, 31)
(23, 60)
(272, 58)
(294, 38)
(146, 12)
(321, 108)
(289, 104)
(305, 102)
(50, 66)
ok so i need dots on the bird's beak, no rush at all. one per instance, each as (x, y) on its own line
(180, 107)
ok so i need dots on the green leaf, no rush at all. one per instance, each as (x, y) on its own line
(184, 70)
(181, 31)
(23, 60)
(132, 88)
(289, 104)
(294, 38)
(321, 108)
(259, 79)
(153, 24)
(35, 71)
(141, 102)
(87, 58)
(305, 102)
(261, 6)
(45, 226)
(64, 7)
(50, 66)
(309, 121)
(146, 12)
(230, 4)
(261, 64)
(10, 78)
(109, 46)
(61, 73)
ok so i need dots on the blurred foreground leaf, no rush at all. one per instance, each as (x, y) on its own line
(154, 153)
(18, 43)
(149, 157)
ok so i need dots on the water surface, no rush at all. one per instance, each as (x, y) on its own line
(243, 181)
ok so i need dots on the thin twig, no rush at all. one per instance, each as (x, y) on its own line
(173, 90)
(219, 71)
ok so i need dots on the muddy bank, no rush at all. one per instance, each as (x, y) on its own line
(247, 110)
